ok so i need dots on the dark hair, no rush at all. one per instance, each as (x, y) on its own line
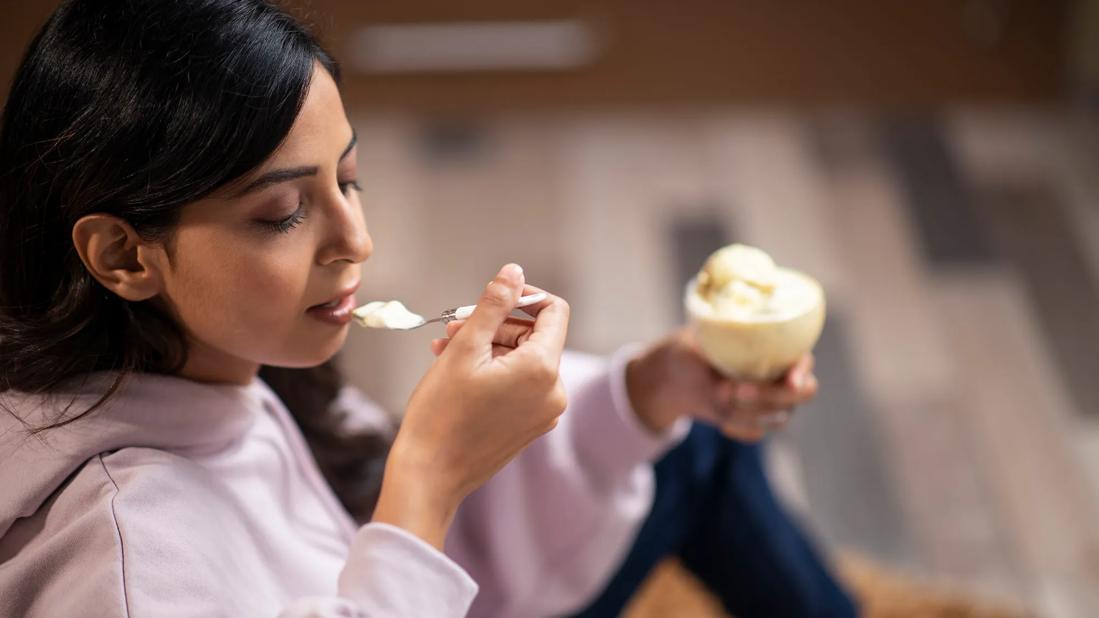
(136, 108)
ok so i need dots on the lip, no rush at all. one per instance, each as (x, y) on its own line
(339, 314)
(345, 292)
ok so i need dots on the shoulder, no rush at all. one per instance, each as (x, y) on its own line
(125, 525)
(65, 558)
(188, 540)
(165, 501)
(149, 480)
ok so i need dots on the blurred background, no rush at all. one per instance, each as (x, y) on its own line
(935, 164)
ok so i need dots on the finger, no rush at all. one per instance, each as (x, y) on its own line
(797, 376)
(452, 328)
(741, 431)
(731, 413)
(768, 403)
(555, 324)
(551, 324)
(532, 310)
(809, 390)
(754, 396)
(438, 345)
(787, 396)
(546, 340)
(751, 427)
(724, 392)
(496, 302)
(772, 421)
(512, 332)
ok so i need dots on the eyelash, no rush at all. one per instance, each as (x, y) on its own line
(283, 226)
(350, 184)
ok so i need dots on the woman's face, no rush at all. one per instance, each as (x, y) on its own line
(249, 266)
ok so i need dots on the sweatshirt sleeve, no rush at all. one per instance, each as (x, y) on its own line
(546, 533)
(392, 573)
(389, 571)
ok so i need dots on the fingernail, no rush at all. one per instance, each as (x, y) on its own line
(774, 419)
(803, 380)
(511, 271)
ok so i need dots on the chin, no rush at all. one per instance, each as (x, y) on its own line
(314, 352)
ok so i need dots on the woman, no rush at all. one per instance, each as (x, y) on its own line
(180, 242)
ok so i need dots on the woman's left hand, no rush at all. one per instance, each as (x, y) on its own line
(672, 379)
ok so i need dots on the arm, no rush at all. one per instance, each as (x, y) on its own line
(546, 533)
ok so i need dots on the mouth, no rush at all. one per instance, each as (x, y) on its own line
(338, 299)
(336, 310)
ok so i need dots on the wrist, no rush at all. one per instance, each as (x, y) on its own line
(643, 383)
(416, 500)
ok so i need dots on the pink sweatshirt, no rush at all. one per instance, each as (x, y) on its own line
(185, 499)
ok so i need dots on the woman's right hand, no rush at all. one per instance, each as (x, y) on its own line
(474, 410)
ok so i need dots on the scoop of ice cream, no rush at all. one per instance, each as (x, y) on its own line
(382, 314)
(753, 319)
(739, 282)
(735, 263)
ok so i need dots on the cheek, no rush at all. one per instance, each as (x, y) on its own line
(236, 293)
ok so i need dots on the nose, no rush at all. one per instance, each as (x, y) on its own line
(346, 237)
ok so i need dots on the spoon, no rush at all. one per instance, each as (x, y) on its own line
(393, 315)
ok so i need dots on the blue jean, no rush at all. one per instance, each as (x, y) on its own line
(715, 511)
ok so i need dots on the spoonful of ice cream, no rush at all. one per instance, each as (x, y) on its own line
(393, 315)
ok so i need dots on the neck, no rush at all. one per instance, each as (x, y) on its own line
(205, 364)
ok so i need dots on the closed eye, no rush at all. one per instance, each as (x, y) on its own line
(288, 223)
(348, 186)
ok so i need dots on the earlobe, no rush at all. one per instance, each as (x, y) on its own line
(116, 256)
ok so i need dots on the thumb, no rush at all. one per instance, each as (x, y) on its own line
(492, 309)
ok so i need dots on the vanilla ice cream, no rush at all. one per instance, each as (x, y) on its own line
(753, 319)
(382, 314)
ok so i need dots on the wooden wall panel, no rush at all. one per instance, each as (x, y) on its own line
(709, 51)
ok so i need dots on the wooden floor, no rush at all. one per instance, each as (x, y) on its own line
(957, 431)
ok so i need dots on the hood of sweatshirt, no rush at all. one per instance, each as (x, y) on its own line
(154, 411)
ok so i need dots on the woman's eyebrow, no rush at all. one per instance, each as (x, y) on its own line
(277, 176)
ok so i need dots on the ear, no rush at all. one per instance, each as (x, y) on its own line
(117, 257)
